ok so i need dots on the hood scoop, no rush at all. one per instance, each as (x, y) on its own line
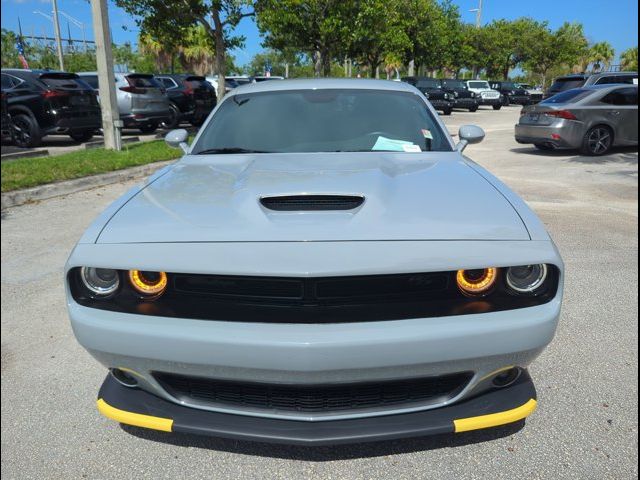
(312, 203)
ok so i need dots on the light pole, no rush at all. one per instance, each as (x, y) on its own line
(478, 12)
(78, 24)
(56, 28)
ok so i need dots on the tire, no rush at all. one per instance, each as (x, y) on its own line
(497, 107)
(597, 141)
(174, 119)
(81, 136)
(26, 131)
(148, 127)
(545, 147)
(474, 109)
(506, 101)
(447, 111)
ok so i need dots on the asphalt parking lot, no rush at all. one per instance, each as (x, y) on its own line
(586, 426)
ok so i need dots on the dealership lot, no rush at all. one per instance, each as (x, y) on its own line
(586, 425)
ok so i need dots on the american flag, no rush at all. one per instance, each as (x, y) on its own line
(20, 48)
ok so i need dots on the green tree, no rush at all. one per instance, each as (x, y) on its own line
(629, 59)
(9, 51)
(319, 29)
(170, 24)
(553, 50)
(601, 55)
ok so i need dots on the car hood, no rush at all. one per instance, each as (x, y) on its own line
(216, 198)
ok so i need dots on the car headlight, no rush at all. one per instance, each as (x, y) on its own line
(455, 94)
(149, 284)
(526, 278)
(100, 281)
(473, 95)
(476, 282)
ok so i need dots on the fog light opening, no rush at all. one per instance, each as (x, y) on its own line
(124, 378)
(507, 377)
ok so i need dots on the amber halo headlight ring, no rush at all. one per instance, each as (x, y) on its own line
(149, 285)
(100, 282)
(527, 279)
(477, 282)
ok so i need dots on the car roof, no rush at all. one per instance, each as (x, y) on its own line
(608, 85)
(324, 84)
(613, 74)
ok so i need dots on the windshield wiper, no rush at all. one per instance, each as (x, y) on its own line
(229, 150)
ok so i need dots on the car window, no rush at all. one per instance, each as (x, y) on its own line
(622, 97)
(570, 96)
(167, 82)
(562, 84)
(454, 84)
(64, 81)
(7, 83)
(478, 85)
(323, 121)
(91, 80)
(142, 81)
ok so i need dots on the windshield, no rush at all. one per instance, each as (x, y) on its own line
(510, 85)
(479, 85)
(428, 84)
(568, 96)
(455, 84)
(322, 121)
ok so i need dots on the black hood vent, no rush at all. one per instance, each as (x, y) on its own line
(306, 203)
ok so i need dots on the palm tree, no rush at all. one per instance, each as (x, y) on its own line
(163, 58)
(602, 54)
(629, 59)
(198, 52)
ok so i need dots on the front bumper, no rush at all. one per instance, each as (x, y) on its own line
(466, 103)
(520, 99)
(142, 409)
(139, 118)
(441, 104)
(560, 134)
(491, 101)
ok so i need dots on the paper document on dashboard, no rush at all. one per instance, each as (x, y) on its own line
(389, 144)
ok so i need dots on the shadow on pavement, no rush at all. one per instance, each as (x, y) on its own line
(327, 453)
(627, 155)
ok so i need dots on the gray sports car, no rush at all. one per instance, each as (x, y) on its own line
(322, 266)
(593, 119)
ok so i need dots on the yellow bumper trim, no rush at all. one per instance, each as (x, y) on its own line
(136, 419)
(495, 419)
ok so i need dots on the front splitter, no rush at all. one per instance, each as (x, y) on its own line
(136, 407)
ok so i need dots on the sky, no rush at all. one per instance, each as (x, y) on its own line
(615, 21)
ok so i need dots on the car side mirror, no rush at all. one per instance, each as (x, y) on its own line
(178, 139)
(468, 135)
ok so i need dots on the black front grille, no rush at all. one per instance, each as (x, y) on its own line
(312, 202)
(313, 398)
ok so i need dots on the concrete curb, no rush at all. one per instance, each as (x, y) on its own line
(100, 143)
(50, 190)
(32, 153)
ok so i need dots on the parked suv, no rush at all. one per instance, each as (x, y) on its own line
(192, 98)
(44, 102)
(142, 101)
(432, 89)
(536, 93)
(511, 93)
(463, 97)
(485, 94)
(567, 82)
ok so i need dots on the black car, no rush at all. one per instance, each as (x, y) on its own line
(432, 88)
(511, 92)
(463, 97)
(192, 98)
(43, 102)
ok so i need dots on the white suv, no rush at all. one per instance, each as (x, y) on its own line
(485, 93)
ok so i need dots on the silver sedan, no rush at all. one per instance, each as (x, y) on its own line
(592, 119)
